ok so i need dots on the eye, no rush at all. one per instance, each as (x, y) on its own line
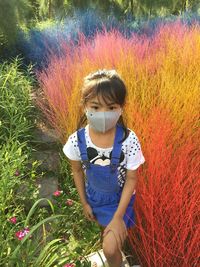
(94, 107)
(111, 108)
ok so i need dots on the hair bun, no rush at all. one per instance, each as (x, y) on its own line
(101, 73)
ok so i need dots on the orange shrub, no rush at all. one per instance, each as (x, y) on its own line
(162, 74)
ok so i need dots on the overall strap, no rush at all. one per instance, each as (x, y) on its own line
(116, 148)
(83, 147)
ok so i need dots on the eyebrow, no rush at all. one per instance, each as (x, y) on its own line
(97, 103)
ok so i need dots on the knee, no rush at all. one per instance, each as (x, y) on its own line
(110, 249)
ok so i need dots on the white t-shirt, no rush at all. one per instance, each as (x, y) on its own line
(131, 156)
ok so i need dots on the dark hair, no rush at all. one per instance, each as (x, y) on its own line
(107, 84)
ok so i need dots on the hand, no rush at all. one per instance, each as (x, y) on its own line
(118, 227)
(87, 210)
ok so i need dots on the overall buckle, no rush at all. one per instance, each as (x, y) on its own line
(86, 163)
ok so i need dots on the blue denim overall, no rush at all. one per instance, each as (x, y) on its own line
(102, 189)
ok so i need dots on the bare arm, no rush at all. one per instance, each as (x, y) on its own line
(78, 176)
(79, 180)
(129, 187)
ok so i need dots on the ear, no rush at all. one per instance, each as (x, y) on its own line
(84, 109)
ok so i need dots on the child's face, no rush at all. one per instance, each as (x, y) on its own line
(98, 104)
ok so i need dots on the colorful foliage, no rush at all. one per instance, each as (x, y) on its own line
(162, 74)
(36, 44)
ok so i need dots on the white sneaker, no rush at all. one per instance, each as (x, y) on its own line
(124, 261)
(98, 259)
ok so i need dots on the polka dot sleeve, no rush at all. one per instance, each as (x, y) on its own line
(134, 153)
(71, 149)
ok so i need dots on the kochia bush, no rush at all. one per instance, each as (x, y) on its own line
(162, 74)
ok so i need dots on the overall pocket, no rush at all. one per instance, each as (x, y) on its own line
(102, 179)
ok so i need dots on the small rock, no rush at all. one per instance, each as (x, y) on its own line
(50, 159)
(47, 186)
(47, 136)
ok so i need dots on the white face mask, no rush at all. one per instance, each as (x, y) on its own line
(103, 121)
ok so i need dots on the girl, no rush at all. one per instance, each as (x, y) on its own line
(104, 156)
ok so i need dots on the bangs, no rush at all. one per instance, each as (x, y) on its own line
(108, 90)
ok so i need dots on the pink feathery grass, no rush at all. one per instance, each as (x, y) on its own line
(162, 75)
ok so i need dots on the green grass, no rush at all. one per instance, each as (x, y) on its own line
(16, 108)
(58, 234)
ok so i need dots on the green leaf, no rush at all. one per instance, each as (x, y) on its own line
(34, 208)
(46, 251)
(14, 254)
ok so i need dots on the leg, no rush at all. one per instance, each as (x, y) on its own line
(102, 229)
(111, 251)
